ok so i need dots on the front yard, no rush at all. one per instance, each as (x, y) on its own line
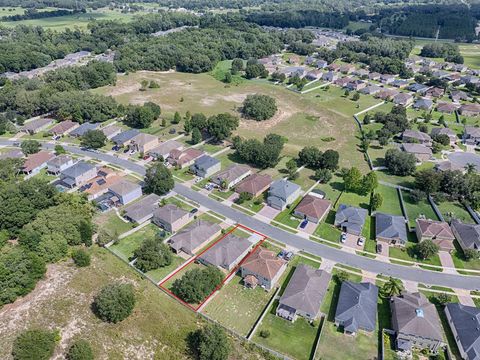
(286, 216)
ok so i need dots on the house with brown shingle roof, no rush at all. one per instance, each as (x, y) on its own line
(445, 131)
(227, 253)
(262, 268)
(416, 323)
(254, 185)
(304, 294)
(232, 175)
(37, 125)
(194, 237)
(446, 107)
(403, 99)
(437, 231)
(420, 151)
(143, 143)
(470, 109)
(36, 162)
(100, 184)
(170, 217)
(63, 127)
(312, 208)
(111, 131)
(386, 94)
(184, 158)
(414, 136)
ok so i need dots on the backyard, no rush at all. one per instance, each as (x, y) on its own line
(126, 247)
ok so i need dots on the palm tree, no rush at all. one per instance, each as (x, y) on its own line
(392, 287)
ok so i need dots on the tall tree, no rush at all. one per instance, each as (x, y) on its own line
(159, 179)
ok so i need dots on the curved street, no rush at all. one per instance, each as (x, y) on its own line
(408, 273)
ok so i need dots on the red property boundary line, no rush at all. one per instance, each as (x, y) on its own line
(235, 269)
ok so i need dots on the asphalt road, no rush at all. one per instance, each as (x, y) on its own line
(403, 272)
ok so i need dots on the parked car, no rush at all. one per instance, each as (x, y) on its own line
(281, 254)
(360, 241)
(194, 211)
(146, 157)
(303, 224)
(16, 144)
(115, 148)
(126, 150)
(378, 248)
(288, 256)
(56, 137)
(343, 237)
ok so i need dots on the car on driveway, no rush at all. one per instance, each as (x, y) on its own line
(379, 248)
(360, 241)
(304, 224)
(343, 238)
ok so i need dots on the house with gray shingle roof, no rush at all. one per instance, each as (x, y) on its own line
(227, 253)
(232, 175)
(170, 217)
(420, 151)
(464, 321)
(163, 150)
(37, 125)
(444, 131)
(414, 136)
(467, 235)
(350, 219)
(282, 193)
(205, 166)
(357, 307)
(423, 104)
(304, 294)
(78, 174)
(124, 138)
(416, 323)
(82, 129)
(194, 237)
(390, 229)
(142, 210)
(59, 163)
(126, 191)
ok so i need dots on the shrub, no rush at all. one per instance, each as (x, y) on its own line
(115, 302)
(259, 107)
(264, 334)
(81, 258)
(210, 343)
(80, 350)
(34, 344)
(197, 284)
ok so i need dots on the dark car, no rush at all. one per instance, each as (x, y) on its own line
(303, 224)
(172, 131)
(379, 248)
(194, 211)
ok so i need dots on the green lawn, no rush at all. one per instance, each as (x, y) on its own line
(391, 201)
(333, 189)
(461, 262)
(286, 216)
(407, 181)
(305, 179)
(416, 209)
(125, 247)
(326, 230)
(292, 339)
(237, 307)
(158, 274)
(353, 199)
(455, 210)
(112, 224)
(407, 253)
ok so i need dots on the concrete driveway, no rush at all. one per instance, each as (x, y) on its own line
(309, 229)
(447, 262)
(269, 212)
(351, 242)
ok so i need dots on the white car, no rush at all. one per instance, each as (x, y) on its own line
(343, 237)
(360, 241)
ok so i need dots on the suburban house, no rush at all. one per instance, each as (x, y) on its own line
(304, 294)
(386, 94)
(362, 73)
(78, 174)
(232, 175)
(437, 231)
(467, 235)
(371, 90)
(464, 321)
(402, 99)
(469, 109)
(262, 268)
(416, 323)
(100, 184)
(170, 217)
(390, 229)
(330, 76)
(471, 135)
(82, 129)
(399, 83)
(321, 64)
(444, 131)
(350, 219)
(254, 185)
(333, 67)
(59, 163)
(417, 88)
(356, 85)
(194, 237)
(142, 210)
(111, 131)
(414, 136)
(12, 154)
(184, 158)
(312, 208)
(63, 128)
(36, 162)
(387, 79)
(445, 107)
(347, 68)
(37, 125)
(374, 76)
(448, 165)
(226, 253)
(126, 191)
(143, 143)
(458, 95)
(205, 166)
(163, 150)
(342, 82)
(421, 152)
(435, 92)
(282, 193)
(314, 75)
(357, 307)
(123, 139)
(423, 104)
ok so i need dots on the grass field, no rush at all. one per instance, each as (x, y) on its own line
(391, 201)
(300, 118)
(158, 324)
(416, 209)
(158, 274)
(112, 224)
(81, 21)
(286, 216)
(238, 307)
(455, 210)
(125, 247)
